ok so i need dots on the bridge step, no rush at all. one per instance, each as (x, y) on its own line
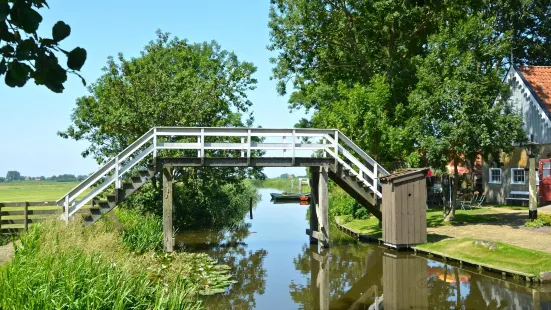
(102, 207)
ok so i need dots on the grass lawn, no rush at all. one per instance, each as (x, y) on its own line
(505, 256)
(435, 218)
(34, 190)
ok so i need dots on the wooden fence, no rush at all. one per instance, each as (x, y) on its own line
(19, 216)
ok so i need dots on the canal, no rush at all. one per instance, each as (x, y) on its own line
(276, 268)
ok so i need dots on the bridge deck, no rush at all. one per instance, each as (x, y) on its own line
(243, 162)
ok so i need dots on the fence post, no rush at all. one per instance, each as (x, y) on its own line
(0, 218)
(26, 216)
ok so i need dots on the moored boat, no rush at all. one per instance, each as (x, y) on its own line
(290, 196)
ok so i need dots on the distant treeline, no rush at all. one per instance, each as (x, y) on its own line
(16, 176)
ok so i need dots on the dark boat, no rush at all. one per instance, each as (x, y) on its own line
(290, 196)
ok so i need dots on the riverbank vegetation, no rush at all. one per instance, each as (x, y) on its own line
(101, 267)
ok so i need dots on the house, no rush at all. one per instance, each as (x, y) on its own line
(530, 96)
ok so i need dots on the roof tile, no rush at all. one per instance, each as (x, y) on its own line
(539, 78)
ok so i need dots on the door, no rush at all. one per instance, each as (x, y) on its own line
(544, 173)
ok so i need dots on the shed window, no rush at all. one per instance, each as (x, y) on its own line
(518, 176)
(495, 175)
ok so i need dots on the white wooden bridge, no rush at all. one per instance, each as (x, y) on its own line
(328, 152)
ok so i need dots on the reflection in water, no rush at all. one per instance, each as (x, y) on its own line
(276, 268)
(228, 247)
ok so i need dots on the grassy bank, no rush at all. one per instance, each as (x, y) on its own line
(66, 266)
(505, 256)
(435, 218)
(281, 184)
(34, 190)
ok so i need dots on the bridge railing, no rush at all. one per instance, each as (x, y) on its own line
(159, 139)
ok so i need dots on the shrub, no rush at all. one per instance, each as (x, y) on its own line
(361, 213)
(347, 218)
(141, 233)
(541, 221)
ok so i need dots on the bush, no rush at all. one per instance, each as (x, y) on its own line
(541, 221)
(346, 218)
(361, 213)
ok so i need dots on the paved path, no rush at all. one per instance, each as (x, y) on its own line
(509, 228)
(6, 253)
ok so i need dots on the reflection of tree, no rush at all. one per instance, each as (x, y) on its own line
(349, 264)
(228, 247)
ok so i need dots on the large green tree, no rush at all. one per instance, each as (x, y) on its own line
(455, 111)
(172, 83)
(335, 53)
(25, 55)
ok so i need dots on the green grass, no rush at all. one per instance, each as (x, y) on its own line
(435, 218)
(368, 226)
(281, 184)
(34, 191)
(99, 267)
(505, 256)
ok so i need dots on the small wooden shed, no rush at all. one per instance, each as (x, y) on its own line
(404, 208)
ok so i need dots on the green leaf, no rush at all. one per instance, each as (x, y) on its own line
(76, 58)
(3, 66)
(25, 17)
(26, 49)
(60, 31)
(7, 50)
(4, 11)
(17, 74)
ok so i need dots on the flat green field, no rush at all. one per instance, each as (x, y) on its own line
(34, 191)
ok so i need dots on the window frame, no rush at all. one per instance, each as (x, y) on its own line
(490, 180)
(513, 182)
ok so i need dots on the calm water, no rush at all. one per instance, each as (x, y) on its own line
(276, 268)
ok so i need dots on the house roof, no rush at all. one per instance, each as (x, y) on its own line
(538, 80)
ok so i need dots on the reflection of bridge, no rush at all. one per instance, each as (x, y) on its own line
(161, 149)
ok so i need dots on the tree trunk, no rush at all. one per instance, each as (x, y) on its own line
(454, 192)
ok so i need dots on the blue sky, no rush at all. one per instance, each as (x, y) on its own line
(31, 116)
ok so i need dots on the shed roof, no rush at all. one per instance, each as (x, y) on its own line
(397, 176)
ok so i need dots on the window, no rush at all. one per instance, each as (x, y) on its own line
(518, 176)
(495, 175)
(546, 169)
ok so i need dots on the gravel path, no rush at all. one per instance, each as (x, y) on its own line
(509, 228)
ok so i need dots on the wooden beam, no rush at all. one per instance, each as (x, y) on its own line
(323, 202)
(26, 217)
(314, 224)
(243, 162)
(167, 209)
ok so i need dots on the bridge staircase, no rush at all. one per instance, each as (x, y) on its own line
(342, 161)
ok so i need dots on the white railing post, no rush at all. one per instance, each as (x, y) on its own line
(117, 173)
(293, 149)
(242, 149)
(202, 151)
(66, 206)
(249, 147)
(199, 149)
(375, 176)
(324, 141)
(336, 149)
(283, 146)
(154, 142)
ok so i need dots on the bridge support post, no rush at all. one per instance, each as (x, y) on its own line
(167, 209)
(319, 206)
(323, 204)
(314, 225)
(319, 277)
